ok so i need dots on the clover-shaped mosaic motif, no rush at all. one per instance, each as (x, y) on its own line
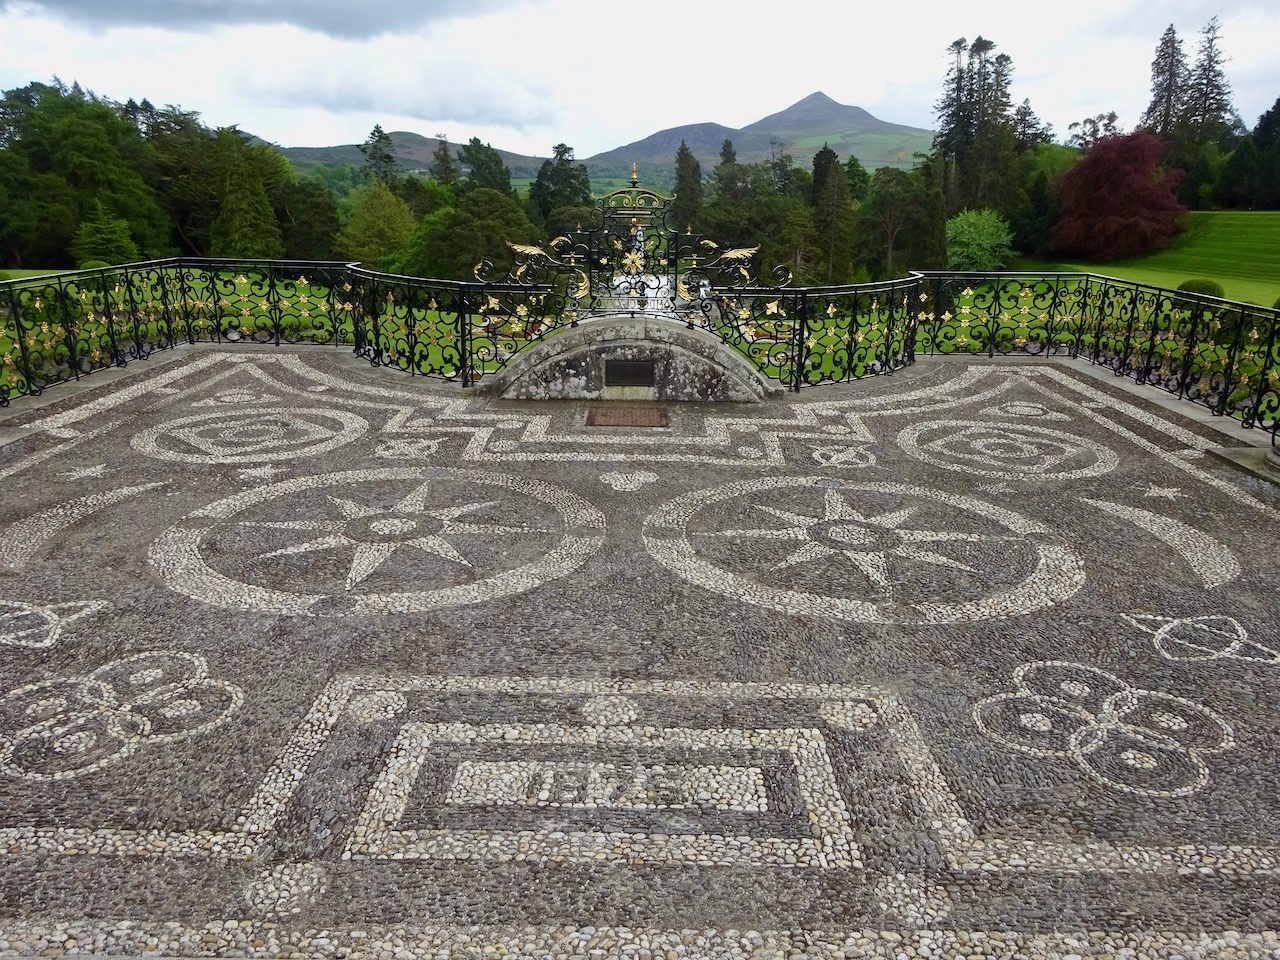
(69, 726)
(1138, 741)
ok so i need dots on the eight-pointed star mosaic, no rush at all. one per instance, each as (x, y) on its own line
(304, 657)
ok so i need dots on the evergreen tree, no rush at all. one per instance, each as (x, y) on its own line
(308, 217)
(726, 178)
(1209, 114)
(952, 109)
(1027, 128)
(834, 222)
(688, 201)
(450, 242)
(444, 165)
(103, 238)
(1170, 85)
(379, 227)
(561, 182)
(245, 226)
(1237, 184)
(859, 179)
(379, 162)
(485, 168)
(826, 163)
(1266, 138)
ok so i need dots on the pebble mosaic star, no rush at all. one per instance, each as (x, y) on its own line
(300, 658)
(375, 534)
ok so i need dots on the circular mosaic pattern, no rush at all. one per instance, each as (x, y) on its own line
(1006, 450)
(1142, 742)
(835, 543)
(461, 538)
(250, 436)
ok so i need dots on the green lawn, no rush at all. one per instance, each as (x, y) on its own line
(1239, 249)
(22, 274)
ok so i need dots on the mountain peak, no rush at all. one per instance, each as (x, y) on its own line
(817, 97)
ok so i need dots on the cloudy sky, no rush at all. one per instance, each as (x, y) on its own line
(525, 75)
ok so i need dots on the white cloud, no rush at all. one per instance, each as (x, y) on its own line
(528, 75)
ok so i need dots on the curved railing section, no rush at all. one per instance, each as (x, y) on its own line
(1222, 355)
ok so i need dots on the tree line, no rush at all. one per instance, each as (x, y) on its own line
(85, 180)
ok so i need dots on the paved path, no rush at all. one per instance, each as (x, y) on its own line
(299, 656)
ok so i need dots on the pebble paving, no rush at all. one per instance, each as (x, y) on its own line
(304, 658)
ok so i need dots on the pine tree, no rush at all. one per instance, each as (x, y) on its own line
(379, 227)
(484, 167)
(1170, 83)
(103, 238)
(859, 179)
(379, 163)
(1027, 128)
(245, 226)
(952, 135)
(727, 176)
(444, 166)
(826, 163)
(561, 182)
(1209, 113)
(688, 201)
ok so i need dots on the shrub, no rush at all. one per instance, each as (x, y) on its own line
(93, 265)
(1210, 288)
(978, 241)
(1276, 305)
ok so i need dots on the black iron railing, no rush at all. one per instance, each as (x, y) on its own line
(1217, 353)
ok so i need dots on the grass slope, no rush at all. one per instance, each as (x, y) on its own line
(1239, 249)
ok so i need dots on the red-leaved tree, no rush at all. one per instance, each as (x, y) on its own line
(1118, 201)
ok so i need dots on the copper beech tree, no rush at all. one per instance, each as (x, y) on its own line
(1118, 201)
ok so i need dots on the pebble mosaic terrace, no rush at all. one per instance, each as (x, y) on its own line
(304, 658)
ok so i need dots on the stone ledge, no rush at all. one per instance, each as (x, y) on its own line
(690, 365)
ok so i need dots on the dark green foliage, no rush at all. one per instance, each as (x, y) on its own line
(1209, 115)
(308, 217)
(103, 238)
(1210, 288)
(379, 226)
(379, 161)
(904, 214)
(859, 179)
(563, 220)
(1202, 166)
(1237, 184)
(450, 242)
(485, 169)
(423, 195)
(1266, 139)
(444, 166)
(66, 150)
(561, 182)
(726, 178)
(688, 201)
(834, 219)
(245, 226)
(979, 134)
(1170, 86)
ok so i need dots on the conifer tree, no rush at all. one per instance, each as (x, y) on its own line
(444, 165)
(379, 163)
(688, 201)
(1209, 113)
(246, 225)
(1170, 83)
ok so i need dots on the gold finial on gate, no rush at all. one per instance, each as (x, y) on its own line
(635, 177)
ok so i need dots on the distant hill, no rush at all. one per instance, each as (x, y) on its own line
(412, 150)
(802, 128)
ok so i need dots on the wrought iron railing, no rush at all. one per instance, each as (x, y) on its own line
(1220, 354)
